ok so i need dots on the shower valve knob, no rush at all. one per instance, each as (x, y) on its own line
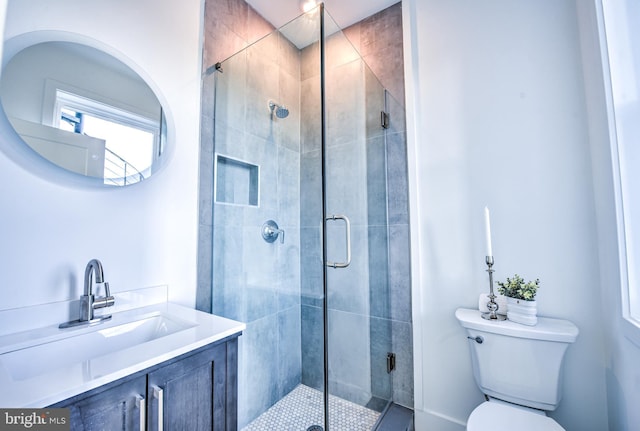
(271, 232)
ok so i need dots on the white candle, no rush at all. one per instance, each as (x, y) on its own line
(487, 231)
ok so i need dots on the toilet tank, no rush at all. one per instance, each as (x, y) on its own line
(518, 363)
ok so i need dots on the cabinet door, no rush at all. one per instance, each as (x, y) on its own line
(181, 394)
(117, 408)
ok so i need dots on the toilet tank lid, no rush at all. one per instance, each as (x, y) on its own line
(547, 329)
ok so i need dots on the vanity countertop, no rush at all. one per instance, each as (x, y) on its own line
(43, 366)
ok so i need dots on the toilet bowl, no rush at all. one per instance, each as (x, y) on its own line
(499, 416)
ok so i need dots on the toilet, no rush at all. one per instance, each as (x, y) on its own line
(518, 368)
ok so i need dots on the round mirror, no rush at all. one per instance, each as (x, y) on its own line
(84, 111)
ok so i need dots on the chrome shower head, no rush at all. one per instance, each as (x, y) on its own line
(280, 110)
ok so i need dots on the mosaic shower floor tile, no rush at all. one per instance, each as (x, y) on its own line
(303, 408)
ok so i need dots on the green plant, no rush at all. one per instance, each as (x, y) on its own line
(516, 288)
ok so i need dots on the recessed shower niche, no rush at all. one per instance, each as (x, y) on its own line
(237, 181)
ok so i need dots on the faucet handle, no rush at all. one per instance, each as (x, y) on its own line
(271, 231)
(106, 301)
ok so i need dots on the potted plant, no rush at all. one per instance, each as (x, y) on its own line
(521, 299)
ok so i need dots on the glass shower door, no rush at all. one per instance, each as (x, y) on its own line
(300, 229)
(357, 302)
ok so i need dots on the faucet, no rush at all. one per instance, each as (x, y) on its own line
(93, 274)
(88, 301)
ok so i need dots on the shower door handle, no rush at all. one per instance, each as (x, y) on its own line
(348, 238)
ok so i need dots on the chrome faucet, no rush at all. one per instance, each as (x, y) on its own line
(88, 301)
(93, 273)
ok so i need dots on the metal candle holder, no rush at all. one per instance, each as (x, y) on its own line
(492, 305)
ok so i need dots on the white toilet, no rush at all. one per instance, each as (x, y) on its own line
(518, 368)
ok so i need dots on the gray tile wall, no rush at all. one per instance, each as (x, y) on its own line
(312, 344)
(378, 38)
(350, 100)
(229, 26)
(381, 287)
(399, 255)
(255, 281)
(277, 288)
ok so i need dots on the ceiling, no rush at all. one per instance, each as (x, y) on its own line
(344, 12)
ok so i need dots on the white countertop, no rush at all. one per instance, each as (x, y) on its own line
(60, 382)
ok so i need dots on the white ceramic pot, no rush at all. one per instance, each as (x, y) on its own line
(521, 311)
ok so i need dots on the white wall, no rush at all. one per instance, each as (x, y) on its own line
(146, 234)
(499, 119)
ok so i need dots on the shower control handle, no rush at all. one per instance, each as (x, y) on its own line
(271, 232)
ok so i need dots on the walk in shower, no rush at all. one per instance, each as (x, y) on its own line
(301, 232)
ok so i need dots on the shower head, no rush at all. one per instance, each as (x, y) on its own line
(279, 110)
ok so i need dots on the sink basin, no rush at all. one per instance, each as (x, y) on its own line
(83, 345)
(42, 364)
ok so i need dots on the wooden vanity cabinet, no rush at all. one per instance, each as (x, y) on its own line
(195, 391)
(111, 407)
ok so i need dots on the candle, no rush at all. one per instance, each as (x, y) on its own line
(487, 231)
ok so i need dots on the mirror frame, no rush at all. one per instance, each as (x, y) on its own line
(17, 150)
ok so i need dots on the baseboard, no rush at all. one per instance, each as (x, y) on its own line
(432, 421)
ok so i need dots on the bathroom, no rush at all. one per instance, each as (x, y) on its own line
(490, 89)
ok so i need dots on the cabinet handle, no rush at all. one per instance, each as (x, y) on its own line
(141, 403)
(158, 393)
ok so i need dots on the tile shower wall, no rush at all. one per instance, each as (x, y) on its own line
(229, 26)
(382, 287)
(348, 192)
(270, 305)
(378, 39)
(255, 281)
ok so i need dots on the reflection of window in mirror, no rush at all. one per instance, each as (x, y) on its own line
(130, 140)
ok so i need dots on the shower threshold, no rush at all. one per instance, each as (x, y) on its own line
(302, 408)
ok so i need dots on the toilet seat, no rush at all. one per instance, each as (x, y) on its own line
(496, 416)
